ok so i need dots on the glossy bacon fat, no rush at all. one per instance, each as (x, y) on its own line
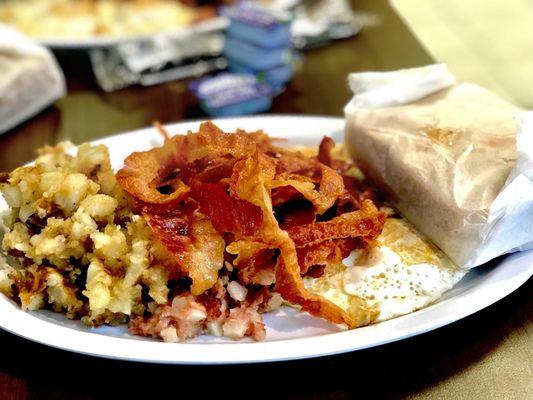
(273, 215)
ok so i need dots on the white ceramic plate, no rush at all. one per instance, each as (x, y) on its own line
(289, 335)
(210, 25)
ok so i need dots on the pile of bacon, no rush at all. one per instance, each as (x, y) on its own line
(274, 215)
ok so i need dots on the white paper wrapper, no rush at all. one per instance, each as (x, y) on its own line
(30, 78)
(455, 159)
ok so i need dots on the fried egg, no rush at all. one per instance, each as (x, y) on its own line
(402, 273)
(67, 19)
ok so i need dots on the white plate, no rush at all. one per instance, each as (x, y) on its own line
(210, 25)
(289, 335)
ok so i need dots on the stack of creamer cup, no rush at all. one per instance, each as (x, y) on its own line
(260, 62)
(258, 42)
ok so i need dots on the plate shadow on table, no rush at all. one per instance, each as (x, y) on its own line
(390, 371)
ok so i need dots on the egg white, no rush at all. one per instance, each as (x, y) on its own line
(402, 273)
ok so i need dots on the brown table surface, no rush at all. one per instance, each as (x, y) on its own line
(488, 355)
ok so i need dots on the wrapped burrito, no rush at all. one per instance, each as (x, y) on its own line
(454, 159)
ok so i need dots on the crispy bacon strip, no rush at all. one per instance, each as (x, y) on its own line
(245, 250)
(205, 257)
(324, 156)
(172, 227)
(324, 151)
(284, 194)
(318, 254)
(298, 217)
(331, 250)
(227, 184)
(330, 188)
(164, 133)
(365, 223)
(259, 269)
(346, 246)
(355, 190)
(294, 162)
(143, 172)
(227, 213)
(250, 181)
(193, 241)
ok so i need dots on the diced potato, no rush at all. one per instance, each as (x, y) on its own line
(61, 221)
(99, 206)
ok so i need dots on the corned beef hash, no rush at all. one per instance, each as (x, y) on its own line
(207, 233)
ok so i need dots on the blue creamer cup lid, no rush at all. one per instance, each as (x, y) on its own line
(227, 89)
(256, 15)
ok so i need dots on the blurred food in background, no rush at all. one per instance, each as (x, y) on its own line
(30, 78)
(257, 44)
(54, 19)
(316, 22)
(157, 60)
(259, 39)
(319, 22)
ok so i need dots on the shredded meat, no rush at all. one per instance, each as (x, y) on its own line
(178, 321)
(243, 322)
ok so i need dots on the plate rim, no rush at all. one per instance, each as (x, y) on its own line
(263, 350)
(211, 25)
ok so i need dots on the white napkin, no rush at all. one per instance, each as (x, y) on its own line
(387, 116)
(386, 89)
(510, 219)
(30, 78)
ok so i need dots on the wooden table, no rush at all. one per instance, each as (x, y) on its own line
(488, 355)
